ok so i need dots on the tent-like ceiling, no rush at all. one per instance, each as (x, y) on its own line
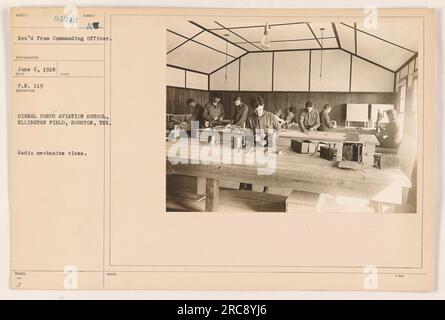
(205, 47)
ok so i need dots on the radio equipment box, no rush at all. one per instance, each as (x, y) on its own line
(384, 161)
(328, 152)
(303, 146)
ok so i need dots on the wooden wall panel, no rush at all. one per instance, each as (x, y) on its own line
(176, 98)
(282, 100)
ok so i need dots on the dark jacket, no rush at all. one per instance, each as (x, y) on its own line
(391, 136)
(267, 121)
(309, 120)
(211, 111)
(325, 121)
(240, 115)
(197, 115)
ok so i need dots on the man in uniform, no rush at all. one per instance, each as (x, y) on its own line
(261, 122)
(325, 121)
(213, 111)
(309, 119)
(240, 114)
(196, 116)
(389, 135)
(261, 119)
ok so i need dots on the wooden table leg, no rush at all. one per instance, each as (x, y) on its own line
(212, 195)
(200, 185)
(381, 207)
(378, 207)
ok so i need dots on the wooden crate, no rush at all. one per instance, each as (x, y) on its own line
(303, 202)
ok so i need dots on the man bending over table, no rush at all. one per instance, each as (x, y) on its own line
(309, 120)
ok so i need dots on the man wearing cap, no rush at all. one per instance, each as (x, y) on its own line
(389, 135)
(240, 114)
(213, 111)
(309, 119)
(325, 121)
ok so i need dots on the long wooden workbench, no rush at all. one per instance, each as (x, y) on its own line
(325, 136)
(316, 136)
(295, 171)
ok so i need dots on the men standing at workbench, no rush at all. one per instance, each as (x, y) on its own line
(265, 128)
(196, 113)
(213, 111)
(240, 114)
(196, 117)
(261, 119)
(309, 120)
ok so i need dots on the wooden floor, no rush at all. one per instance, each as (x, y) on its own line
(182, 197)
(231, 201)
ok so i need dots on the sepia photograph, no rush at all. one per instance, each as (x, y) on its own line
(212, 149)
(292, 116)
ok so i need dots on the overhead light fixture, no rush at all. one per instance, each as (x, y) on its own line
(226, 80)
(321, 54)
(265, 41)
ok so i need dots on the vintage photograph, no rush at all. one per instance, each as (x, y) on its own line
(292, 116)
(224, 149)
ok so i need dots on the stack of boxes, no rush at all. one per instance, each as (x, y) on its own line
(351, 150)
(304, 146)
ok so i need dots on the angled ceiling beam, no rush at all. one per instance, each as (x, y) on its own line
(288, 50)
(289, 40)
(381, 39)
(188, 39)
(236, 34)
(225, 65)
(355, 37)
(187, 69)
(216, 35)
(334, 27)
(313, 33)
(407, 62)
(367, 60)
(260, 26)
(202, 44)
